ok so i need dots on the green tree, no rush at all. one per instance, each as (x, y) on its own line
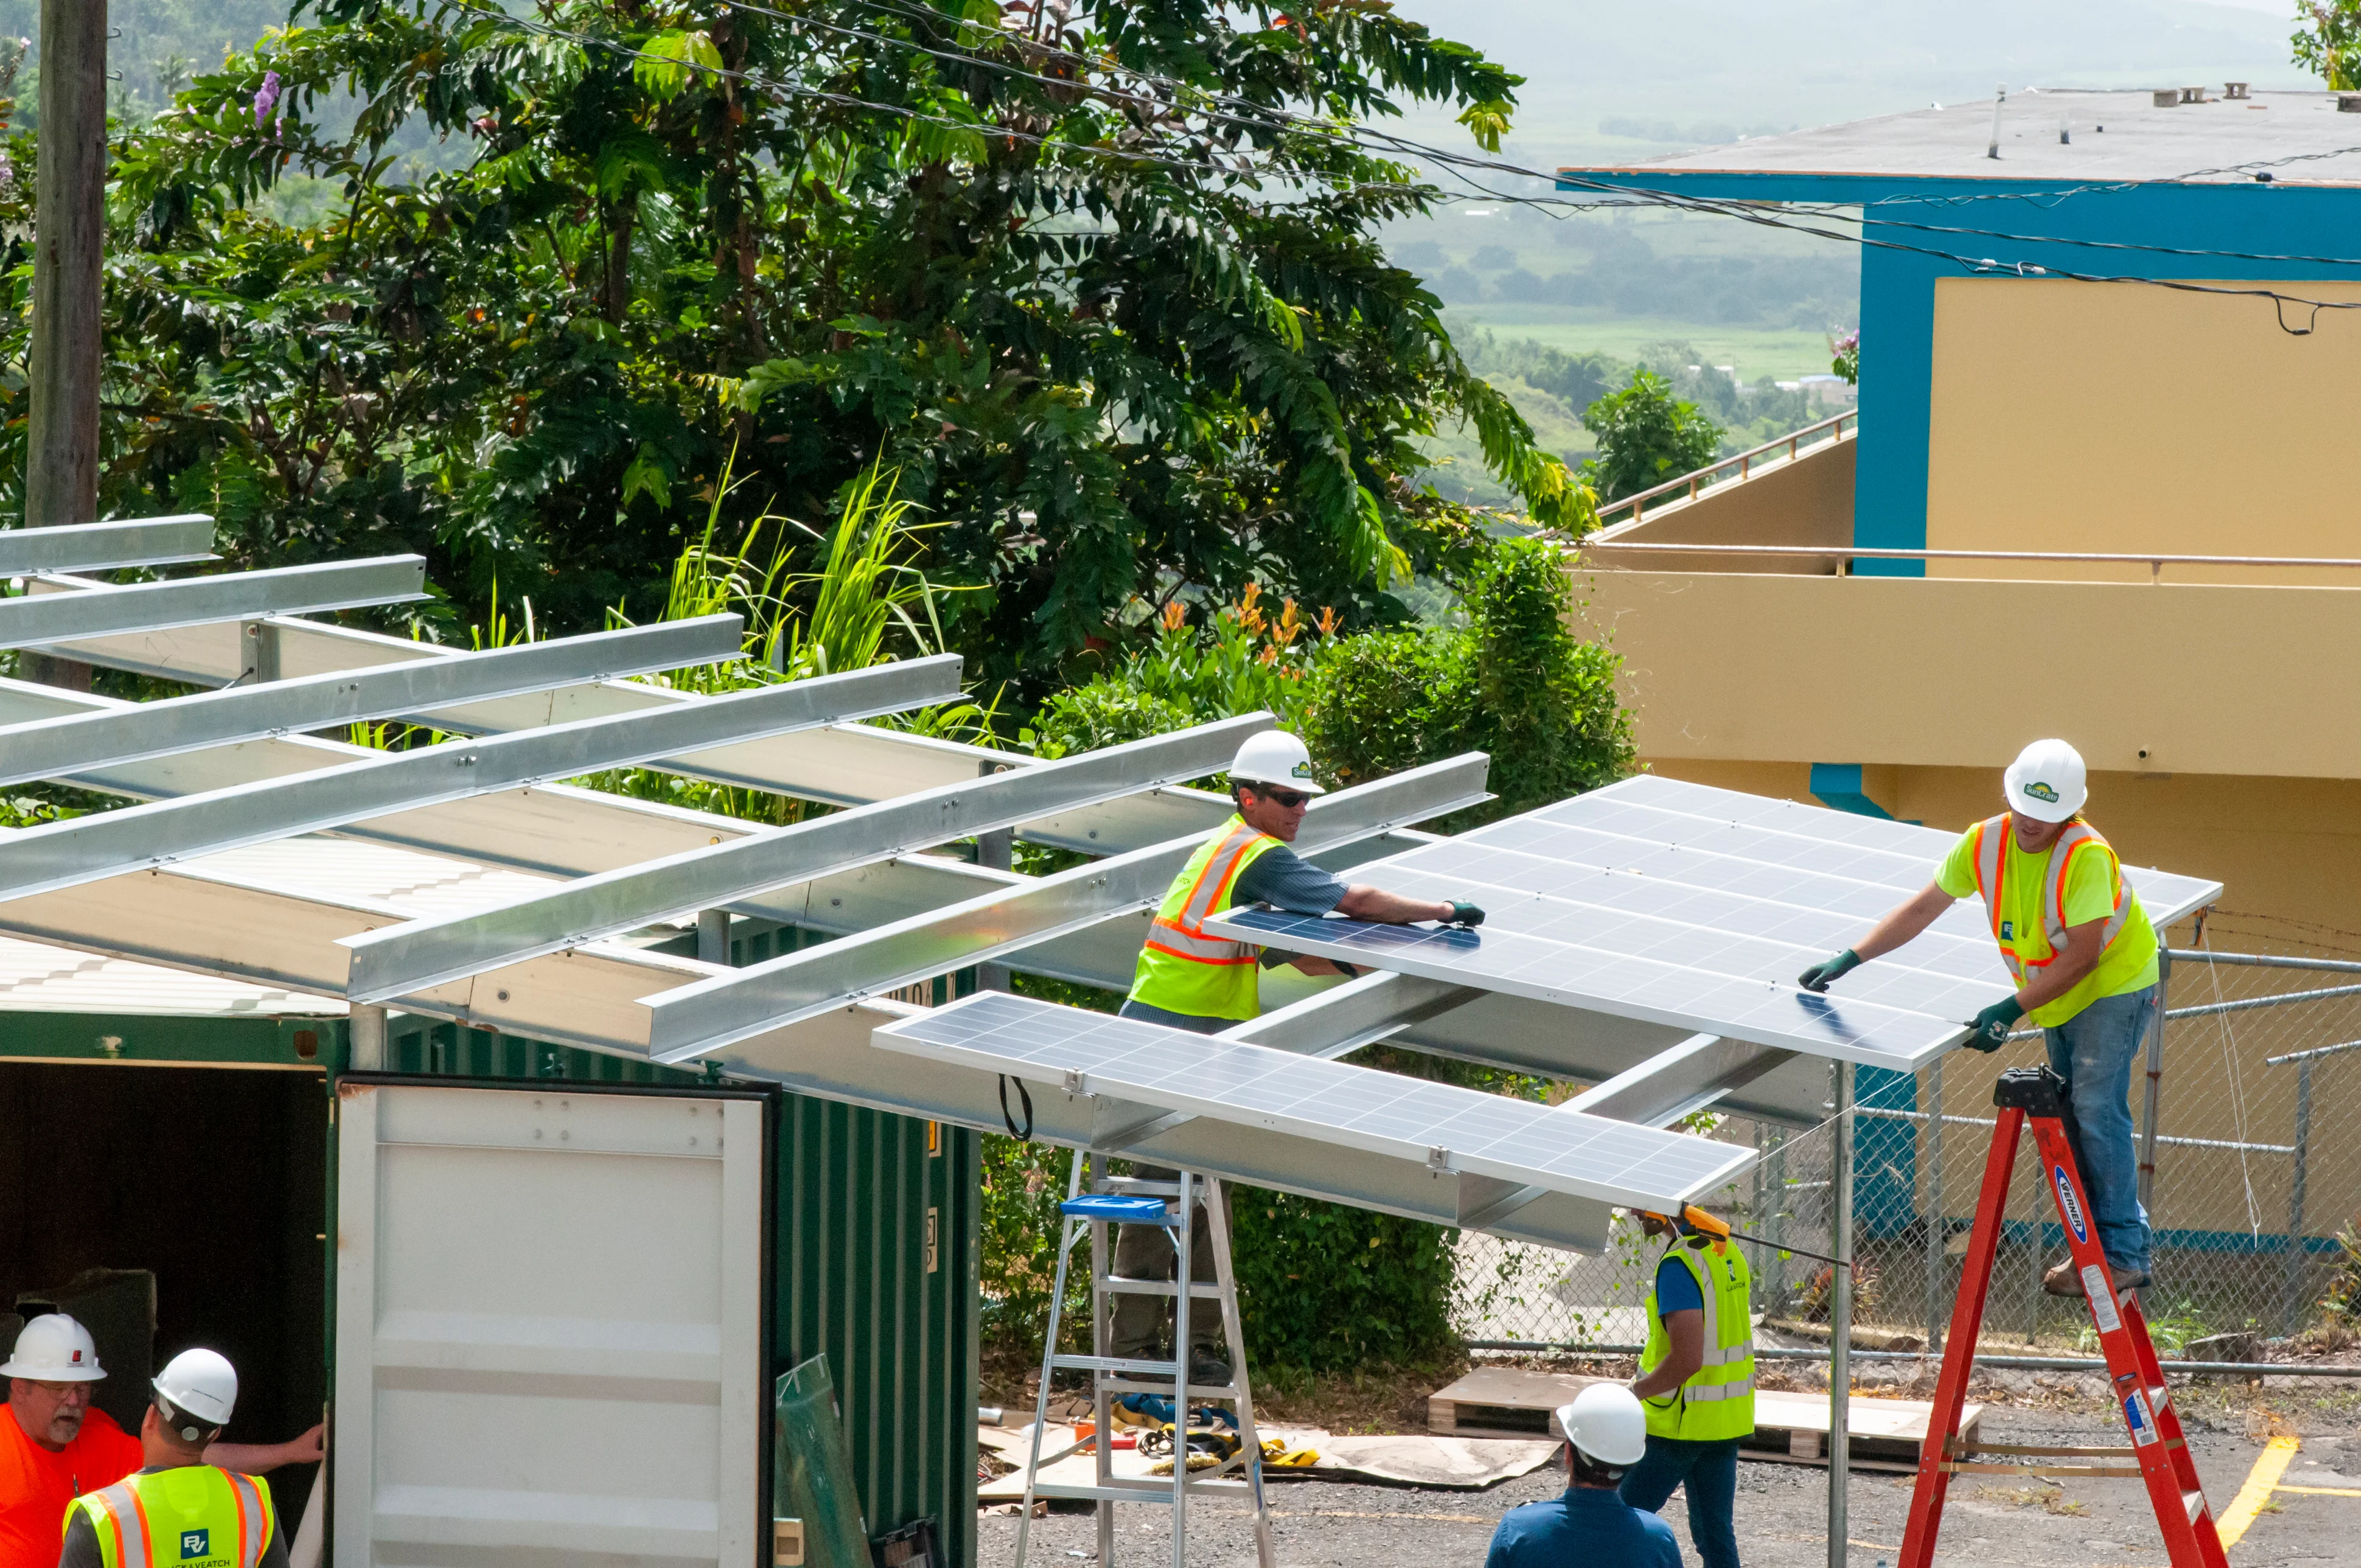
(1104, 290)
(1646, 437)
(2328, 43)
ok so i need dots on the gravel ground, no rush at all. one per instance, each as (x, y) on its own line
(1782, 1515)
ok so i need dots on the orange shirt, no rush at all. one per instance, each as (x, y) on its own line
(36, 1486)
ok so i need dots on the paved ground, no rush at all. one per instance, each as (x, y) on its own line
(1782, 1515)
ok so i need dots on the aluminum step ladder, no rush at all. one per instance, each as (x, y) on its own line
(1121, 1199)
(2158, 1453)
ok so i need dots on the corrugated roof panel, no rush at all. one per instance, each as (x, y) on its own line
(35, 978)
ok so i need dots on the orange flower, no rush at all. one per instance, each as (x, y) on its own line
(1174, 614)
(1327, 620)
(1270, 655)
(1289, 627)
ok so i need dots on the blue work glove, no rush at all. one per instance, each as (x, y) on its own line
(1991, 1025)
(1817, 978)
(1465, 914)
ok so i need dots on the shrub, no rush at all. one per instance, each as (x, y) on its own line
(1386, 701)
(1645, 437)
(1545, 700)
(1322, 1286)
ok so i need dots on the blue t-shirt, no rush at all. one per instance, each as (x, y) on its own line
(1589, 1526)
(1676, 1288)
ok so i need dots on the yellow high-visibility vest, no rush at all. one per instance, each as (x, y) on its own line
(1717, 1401)
(1183, 970)
(2079, 837)
(194, 1516)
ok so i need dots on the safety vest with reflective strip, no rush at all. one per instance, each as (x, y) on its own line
(1183, 970)
(2079, 837)
(1717, 1401)
(194, 1516)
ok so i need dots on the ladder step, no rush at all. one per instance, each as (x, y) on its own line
(1198, 1289)
(1116, 1364)
(1155, 1489)
(1131, 1187)
(1196, 1390)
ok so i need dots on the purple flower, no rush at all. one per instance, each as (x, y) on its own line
(268, 99)
(7, 171)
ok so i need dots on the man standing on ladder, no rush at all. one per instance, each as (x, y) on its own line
(1696, 1383)
(1190, 980)
(2083, 956)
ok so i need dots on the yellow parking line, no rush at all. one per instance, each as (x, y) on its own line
(2276, 1456)
(2321, 1491)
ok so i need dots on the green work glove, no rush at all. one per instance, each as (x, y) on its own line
(1991, 1025)
(1817, 978)
(1463, 914)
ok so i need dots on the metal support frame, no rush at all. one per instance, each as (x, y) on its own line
(995, 850)
(2152, 1094)
(263, 704)
(61, 854)
(1840, 1313)
(106, 546)
(366, 1030)
(63, 609)
(1938, 1227)
(2291, 1285)
(698, 1019)
(392, 963)
(713, 936)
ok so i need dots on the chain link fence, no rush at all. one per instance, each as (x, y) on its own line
(2256, 1174)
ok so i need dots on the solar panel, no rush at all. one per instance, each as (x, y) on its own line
(1688, 905)
(1448, 1128)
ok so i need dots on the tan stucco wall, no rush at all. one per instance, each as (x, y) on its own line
(1949, 673)
(2096, 417)
(1808, 500)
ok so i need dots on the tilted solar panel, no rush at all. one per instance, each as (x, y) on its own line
(1451, 1129)
(1685, 905)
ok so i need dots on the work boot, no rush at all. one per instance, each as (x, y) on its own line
(1207, 1369)
(2064, 1281)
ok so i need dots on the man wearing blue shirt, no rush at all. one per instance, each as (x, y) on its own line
(1590, 1526)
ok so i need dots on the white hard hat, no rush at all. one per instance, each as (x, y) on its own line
(2046, 782)
(1606, 1422)
(53, 1348)
(1275, 757)
(202, 1384)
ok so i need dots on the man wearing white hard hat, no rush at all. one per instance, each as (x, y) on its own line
(2083, 956)
(1188, 979)
(54, 1445)
(1589, 1526)
(177, 1508)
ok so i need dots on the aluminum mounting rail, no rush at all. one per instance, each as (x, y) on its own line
(74, 744)
(102, 546)
(61, 854)
(694, 1019)
(397, 961)
(37, 619)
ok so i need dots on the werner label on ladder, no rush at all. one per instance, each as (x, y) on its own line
(2039, 1097)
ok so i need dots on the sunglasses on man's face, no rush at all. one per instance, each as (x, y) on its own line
(1285, 799)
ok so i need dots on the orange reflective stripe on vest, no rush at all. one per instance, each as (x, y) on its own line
(1993, 838)
(1182, 934)
(126, 1518)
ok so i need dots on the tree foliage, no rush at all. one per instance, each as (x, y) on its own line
(2328, 42)
(1101, 287)
(1646, 436)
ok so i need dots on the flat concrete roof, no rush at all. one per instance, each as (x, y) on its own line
(2111, 137)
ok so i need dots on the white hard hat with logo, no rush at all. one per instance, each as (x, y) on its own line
(1606, 1422)
(1275, 757)
(53, 1348)
(201, 1386)
(2046, 782)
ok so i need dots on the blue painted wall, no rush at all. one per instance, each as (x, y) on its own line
(1897, 286)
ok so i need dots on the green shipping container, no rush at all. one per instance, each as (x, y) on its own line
(149, 1175)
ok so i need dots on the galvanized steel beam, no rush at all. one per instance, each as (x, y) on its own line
(696, 1019)
(72, 609)
(393, 963)
(74, 743)
(62, 853)
(103, 546)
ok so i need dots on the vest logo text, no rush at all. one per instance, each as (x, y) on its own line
(196, 1543)
(2007, 930)
(2039, 791)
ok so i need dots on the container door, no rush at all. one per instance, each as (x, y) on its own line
(549, 1326)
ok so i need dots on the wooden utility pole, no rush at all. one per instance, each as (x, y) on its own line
(62, 454)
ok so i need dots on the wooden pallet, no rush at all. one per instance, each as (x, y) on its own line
(1509, 1401)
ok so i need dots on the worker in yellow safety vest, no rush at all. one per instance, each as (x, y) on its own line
(178, 1511)
(2082, 954)
(1188, 978)
(1695, 1383)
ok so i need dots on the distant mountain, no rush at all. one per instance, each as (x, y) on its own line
(1695, 66)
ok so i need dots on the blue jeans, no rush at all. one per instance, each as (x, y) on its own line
(1710, 1471)
(2093, 1051)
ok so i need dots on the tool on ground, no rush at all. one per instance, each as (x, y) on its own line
(2160, 1453)
(1693, 1220)
(1151, 1398)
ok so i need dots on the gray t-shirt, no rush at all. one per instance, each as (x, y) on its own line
(82, 1549)
(1285, 879)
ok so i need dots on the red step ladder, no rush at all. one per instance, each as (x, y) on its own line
(2160, 1453)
